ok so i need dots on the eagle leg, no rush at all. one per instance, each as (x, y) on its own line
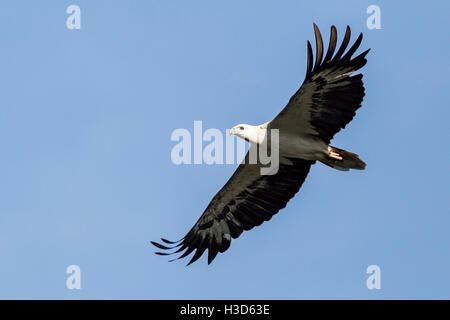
(333, 154)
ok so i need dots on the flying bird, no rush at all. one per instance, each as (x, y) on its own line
(325, 103)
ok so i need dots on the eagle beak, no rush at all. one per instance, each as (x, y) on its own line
(231, 131)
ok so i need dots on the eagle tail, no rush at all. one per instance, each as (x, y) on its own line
(342, 160)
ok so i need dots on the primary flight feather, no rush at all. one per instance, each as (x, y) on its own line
(326, 101)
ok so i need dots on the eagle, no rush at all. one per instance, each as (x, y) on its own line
(325, 103)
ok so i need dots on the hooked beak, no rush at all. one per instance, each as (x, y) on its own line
(232, 131)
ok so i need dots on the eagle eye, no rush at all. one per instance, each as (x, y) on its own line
(241, 128)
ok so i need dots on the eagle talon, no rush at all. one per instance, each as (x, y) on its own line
(335, 155)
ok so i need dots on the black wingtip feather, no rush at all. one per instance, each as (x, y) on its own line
(331, 45)
(362, 55)
(344, 44)
(213, 249)
(353, 48)
(319, 47)
(200, 250)
(170, 242)
(160, 246)
(163, 253)
(309, 63)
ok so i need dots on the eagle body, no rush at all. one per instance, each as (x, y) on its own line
(292, 145)
(302, 147)
(324, 104)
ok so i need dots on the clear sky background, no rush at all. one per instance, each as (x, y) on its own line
(86, 177)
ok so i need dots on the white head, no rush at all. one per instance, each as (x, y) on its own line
(248, 132)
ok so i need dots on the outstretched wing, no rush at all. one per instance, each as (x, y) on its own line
(246, 201)
(329, 95)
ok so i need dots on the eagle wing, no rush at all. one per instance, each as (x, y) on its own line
(329, 96)
(245, 201)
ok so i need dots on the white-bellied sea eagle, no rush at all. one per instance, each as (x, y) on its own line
(326, 101)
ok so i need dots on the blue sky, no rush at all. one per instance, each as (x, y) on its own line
(86, 177)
